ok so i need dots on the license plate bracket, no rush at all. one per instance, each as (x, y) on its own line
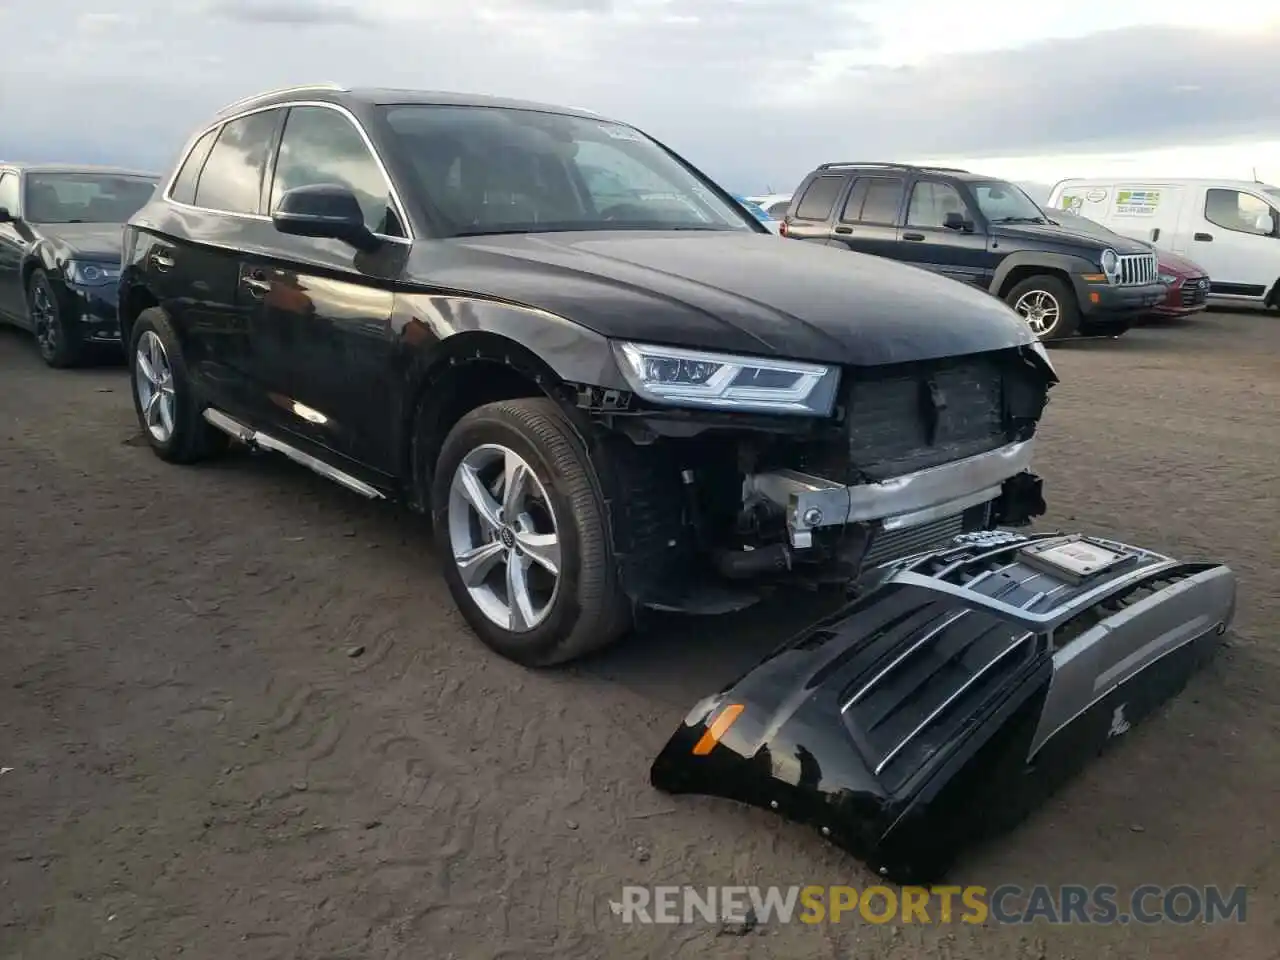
(1076, 559)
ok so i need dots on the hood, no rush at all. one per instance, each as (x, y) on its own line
(742, 292)
(1180, 266)
(1070, 236)
(85, 241)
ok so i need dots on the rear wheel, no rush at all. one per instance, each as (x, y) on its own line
(1047, 305)
(522, 534)
(163, 397)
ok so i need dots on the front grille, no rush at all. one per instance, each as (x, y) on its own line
(1137, 269)
(895, 544)
(1195, 292)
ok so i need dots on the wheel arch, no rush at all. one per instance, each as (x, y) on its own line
(134, 298)
(466, 371)
(1019, 266)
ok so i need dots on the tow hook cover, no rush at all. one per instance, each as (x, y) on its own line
(956, 691)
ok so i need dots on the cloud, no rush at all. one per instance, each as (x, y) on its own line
(288, 12)
(755, 91)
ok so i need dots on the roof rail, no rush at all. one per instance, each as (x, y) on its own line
(322, 85)
(892, 166)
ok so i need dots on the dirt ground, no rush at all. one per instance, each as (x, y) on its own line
(244, 721)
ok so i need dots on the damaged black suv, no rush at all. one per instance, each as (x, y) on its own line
(609, 386)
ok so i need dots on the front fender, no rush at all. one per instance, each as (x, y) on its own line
(1069, 264)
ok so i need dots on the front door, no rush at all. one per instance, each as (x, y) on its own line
(321, 329)
(1237, 241)
(927, 241)
(12, 244)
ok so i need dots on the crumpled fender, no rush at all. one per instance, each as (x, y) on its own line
(956, 691)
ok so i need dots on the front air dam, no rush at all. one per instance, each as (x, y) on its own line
(955, 693)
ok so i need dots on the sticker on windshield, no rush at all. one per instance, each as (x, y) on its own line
(619, 132)
(1137, 203)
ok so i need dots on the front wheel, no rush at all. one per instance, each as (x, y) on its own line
(522, 534)
(1047, 305)
(59, 341)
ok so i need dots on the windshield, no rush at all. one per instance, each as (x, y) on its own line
(84, 197)
(488, 170)
(1002, 202)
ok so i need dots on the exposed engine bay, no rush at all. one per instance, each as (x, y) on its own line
(709, 505)
(957, 690)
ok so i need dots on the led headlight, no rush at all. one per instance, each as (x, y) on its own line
(1168, 278)
(695, 378)
(92, 274)
(1110, 262)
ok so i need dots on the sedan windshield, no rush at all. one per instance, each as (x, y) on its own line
(1002, 202)
(84, 197)
(489, 170)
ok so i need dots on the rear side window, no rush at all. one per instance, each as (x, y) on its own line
(874, 200)
(232, 177)
(818, 200)
(184, 185)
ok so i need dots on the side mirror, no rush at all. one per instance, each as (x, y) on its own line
(324, 210)
(6, 216)
(957, 221)
(1265, 224)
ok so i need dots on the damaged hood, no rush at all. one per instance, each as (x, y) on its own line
(953, 694)
(735, 292)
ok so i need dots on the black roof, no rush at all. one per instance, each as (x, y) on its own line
(954, 173)
(382, 96)
(77, 168)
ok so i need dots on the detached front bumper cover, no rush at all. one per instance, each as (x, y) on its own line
(958, 689)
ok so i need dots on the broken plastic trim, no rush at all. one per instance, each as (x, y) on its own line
(955, 693)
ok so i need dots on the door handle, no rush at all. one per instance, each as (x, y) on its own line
(162, 261)
(844, 229)
(1203, 236)
(913, 236)
(257, 284)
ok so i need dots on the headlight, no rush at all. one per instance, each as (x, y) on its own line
(693, 378)
(1110, 262)
(1167, 278)
(92, 274)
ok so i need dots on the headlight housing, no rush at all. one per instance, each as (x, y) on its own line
(696, 378)
(1168, 278)
(1110, 263)
(88, 274)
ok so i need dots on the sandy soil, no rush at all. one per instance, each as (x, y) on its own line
(244, 720)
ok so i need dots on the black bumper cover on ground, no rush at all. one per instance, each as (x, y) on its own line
(952, 695)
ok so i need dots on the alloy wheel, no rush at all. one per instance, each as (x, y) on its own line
(153, 381)
(504, 537)
(44, 319)
(1041, 311)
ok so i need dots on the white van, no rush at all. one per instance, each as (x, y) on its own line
(1229, 227)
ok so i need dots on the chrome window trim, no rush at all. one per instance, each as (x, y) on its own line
(397, 205)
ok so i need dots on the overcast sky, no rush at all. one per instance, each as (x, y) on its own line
(756, 92)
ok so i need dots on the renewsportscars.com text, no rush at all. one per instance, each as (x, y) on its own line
(1007, 904)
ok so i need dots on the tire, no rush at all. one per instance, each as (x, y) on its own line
(1024, 293)
(59, 342)
(188, 438)
(586, 609)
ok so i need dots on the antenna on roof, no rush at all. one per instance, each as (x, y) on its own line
(1255, 175)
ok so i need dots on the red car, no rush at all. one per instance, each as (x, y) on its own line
(1188, 286)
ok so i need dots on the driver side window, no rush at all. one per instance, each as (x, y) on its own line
(1242, 212)
(931, 201)
(321, 146)
(9, 192)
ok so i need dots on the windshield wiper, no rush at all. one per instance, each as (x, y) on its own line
(1019, 220)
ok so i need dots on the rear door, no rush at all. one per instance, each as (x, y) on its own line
(811, 219)
(927, 242)
(869, 217)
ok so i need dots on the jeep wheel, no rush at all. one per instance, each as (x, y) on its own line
(1047, 305)
(522, 534)
(163, 397)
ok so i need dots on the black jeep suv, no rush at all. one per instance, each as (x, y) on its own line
(609, 385)
(981, 231)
